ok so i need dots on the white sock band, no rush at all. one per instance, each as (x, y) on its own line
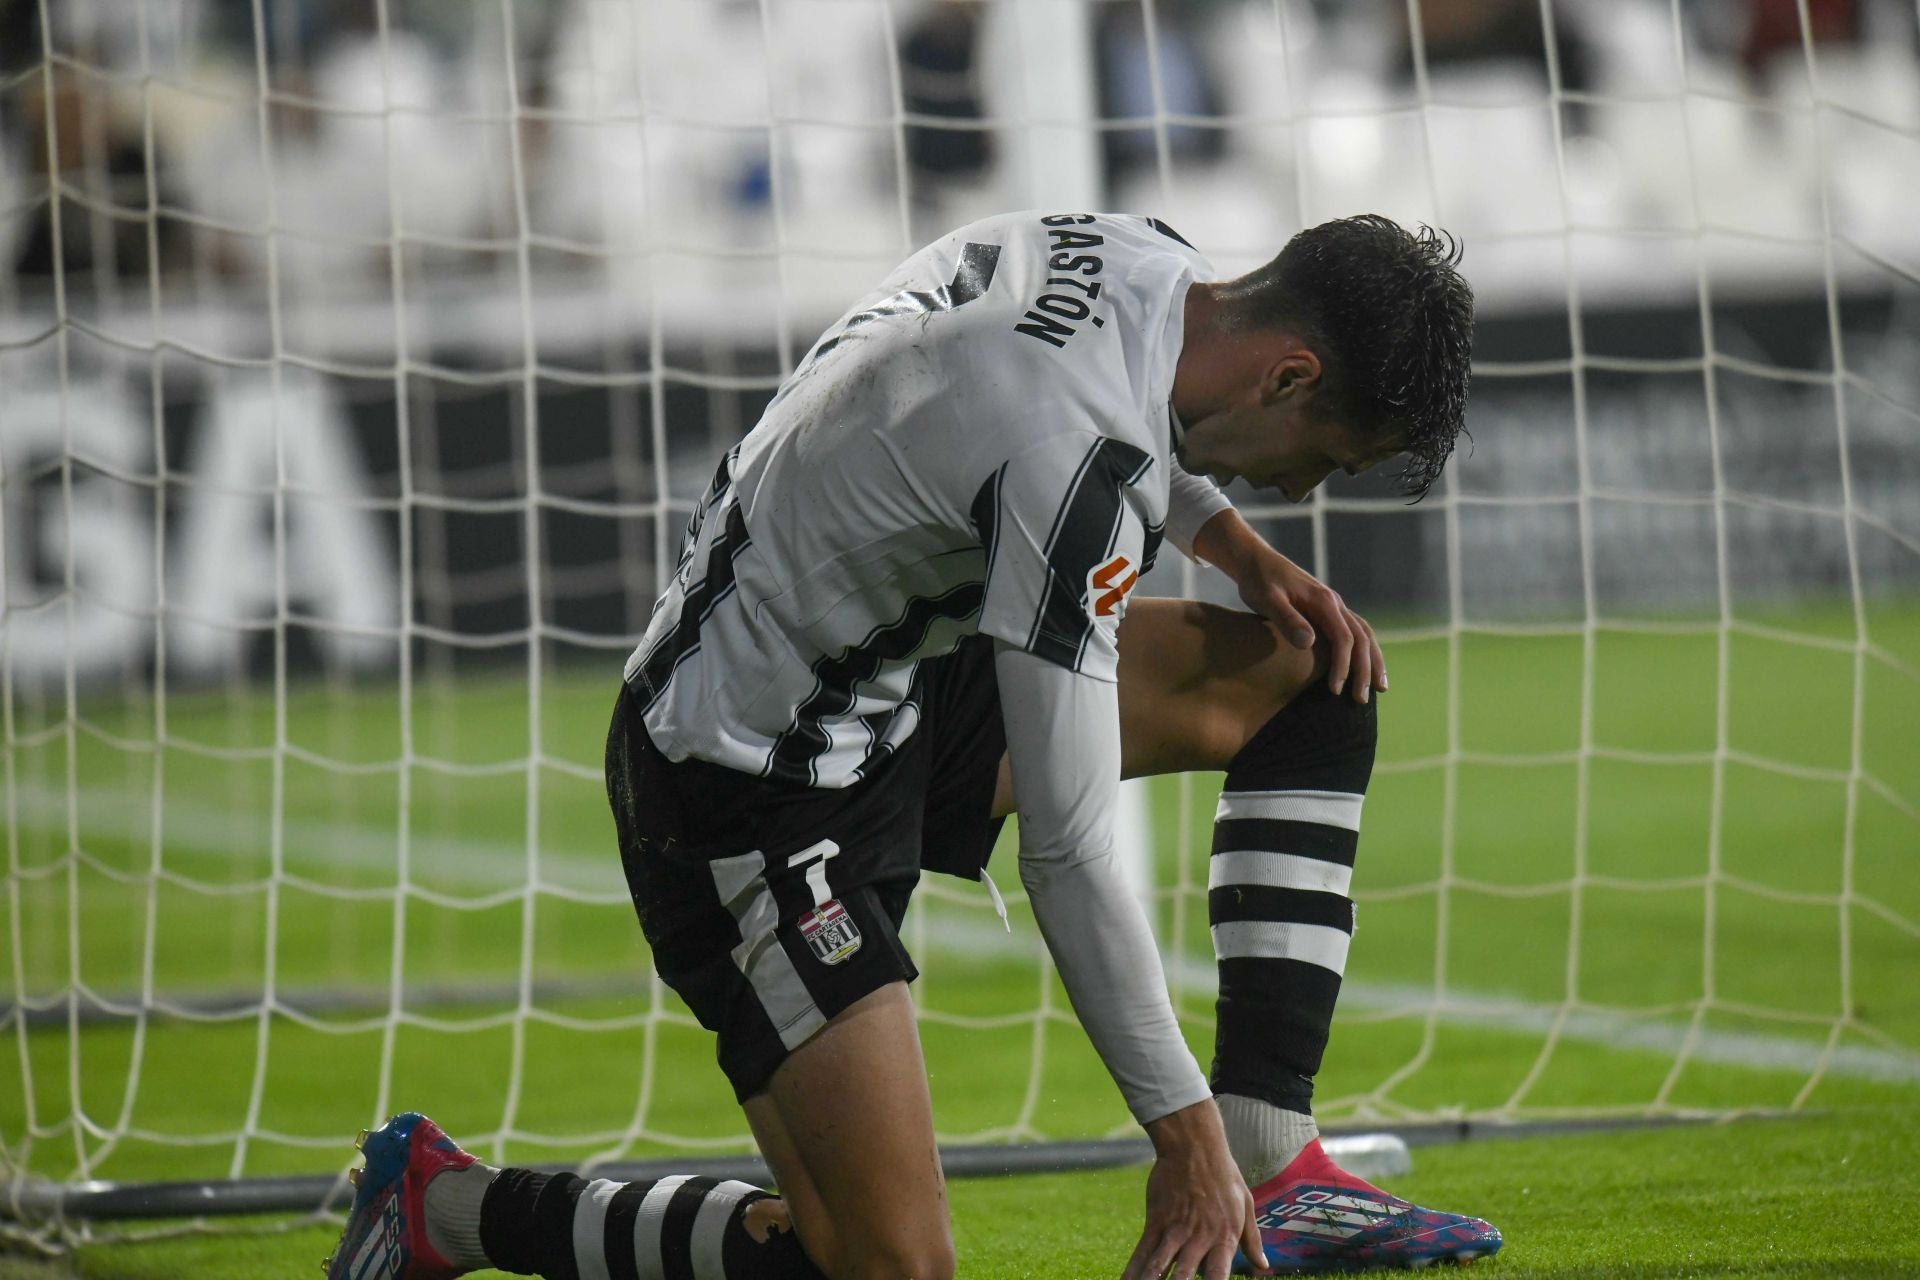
(1264, 1138)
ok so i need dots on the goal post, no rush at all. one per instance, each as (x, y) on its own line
(357, 380)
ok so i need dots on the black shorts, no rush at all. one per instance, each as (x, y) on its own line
(770, 907)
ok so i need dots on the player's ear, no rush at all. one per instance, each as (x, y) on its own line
(1295, 370)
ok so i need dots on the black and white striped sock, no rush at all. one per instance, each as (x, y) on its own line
(1278, 882)
(564, 1227)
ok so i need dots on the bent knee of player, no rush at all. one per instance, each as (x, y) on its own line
(818, 1240)
(1264, 689)
(896, 1247)
(1285, 691)
(920, 1258)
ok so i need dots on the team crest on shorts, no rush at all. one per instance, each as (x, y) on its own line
(830, 931)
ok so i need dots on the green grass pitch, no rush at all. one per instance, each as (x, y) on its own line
(1575, 912)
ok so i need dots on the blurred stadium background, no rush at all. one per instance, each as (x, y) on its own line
(360, 361)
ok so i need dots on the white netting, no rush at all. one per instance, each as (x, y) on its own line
(359, 365)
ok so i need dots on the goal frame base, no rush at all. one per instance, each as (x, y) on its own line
(1371, 1151)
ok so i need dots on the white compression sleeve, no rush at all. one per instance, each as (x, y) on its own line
(1063, 738)
(1191, 502)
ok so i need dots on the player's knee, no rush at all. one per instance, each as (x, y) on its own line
(1317, 734)
(928, 1257)
(821, 1244)
(914, 1243)
(895, 1252)
(1266, 688)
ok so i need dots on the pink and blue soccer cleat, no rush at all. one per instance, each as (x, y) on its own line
(386, 1235)
(1315, 1216)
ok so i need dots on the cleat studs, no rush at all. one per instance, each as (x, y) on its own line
(360, 1143)
(353, 1176)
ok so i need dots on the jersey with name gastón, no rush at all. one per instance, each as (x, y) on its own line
(980, 445)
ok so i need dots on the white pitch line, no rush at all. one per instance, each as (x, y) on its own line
(1662, 1035)
(1499, 1012)
(107, 813)
(118, 815)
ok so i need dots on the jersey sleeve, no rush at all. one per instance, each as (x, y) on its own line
(1064, 546)
(1191, 502)
(1063, 741)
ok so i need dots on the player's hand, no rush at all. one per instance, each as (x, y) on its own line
(1198, 1206)
(1305, 608)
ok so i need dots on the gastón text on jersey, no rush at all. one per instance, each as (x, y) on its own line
(1071, 288)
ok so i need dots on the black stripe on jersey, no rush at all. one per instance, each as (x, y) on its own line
(1150, 550)
(722, 481)
(986, 516)
(701, 599)
(1060, 517)
(690, 541)
(1169, 232)
(1307, 839)
(799, 749)
(1232, 902)
(881, 723)
(676, 1227)
(1081, 539)
(971, 277)
(876, 726)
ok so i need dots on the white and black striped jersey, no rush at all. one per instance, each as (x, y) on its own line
(983, 444)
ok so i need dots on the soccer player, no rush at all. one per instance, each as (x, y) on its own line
(901, 613)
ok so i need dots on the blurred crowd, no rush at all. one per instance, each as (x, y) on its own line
(528, 208)
(669, 143)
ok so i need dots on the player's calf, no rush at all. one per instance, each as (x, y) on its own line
(846, 1126)
(1277, 894)
(425, 1210)
(565, 1227)
(1278, 882)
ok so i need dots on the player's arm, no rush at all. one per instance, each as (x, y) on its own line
(1192, 502)
(1051, 519)
(1063, 740)
(1273, 586)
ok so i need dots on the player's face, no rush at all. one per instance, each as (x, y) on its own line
(1283, 443)
(1310, 448)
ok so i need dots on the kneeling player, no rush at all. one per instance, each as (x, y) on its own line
(900, 613)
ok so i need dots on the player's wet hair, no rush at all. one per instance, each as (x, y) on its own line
(1391, 320)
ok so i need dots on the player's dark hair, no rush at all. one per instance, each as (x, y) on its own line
(1391, 320)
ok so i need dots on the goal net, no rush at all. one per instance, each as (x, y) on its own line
(361, 364)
